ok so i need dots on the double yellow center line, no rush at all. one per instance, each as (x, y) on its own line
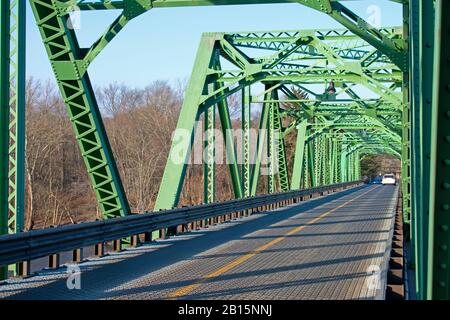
(185, 290)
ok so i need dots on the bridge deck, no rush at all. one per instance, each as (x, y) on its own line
(319, 249)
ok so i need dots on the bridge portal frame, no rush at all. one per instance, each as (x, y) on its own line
(423, 111)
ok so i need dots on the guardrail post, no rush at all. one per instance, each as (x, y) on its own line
(53, 261)
(77, 255)
(100, 249)
(24, 270)
(135, 241)
(147, 237)
(117, 245)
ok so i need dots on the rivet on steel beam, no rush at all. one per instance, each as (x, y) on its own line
(443, 247)
(445, 206)
(443, 266)
(442, 284)
(447, 162)
(444, 227)
(447, 138)
(446, 185)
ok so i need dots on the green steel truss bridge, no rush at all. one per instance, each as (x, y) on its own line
(339, 95)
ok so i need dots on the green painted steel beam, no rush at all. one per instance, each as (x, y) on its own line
(66, 57)
(246, 140)
(438, 275)
(179, 154)
(297, 170)
(4, 120)
(16, 197)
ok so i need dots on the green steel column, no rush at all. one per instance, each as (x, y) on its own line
(411, 95)
(227, 128)
(349, 166)
(225, 123)
(438, 280)
(407, 116)
(306, 183)
(4, 119)
(344, 163)
(246, 118)
(311, 164)
(421, 198)
(280, 150)
(299, 156)
(209, 167)
(316, 161)
(69, 67)
(16, 197)
(329, 165)
(271, 150)
(260, 143)
(332, 161)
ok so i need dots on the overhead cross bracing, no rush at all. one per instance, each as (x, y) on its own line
(339, 95)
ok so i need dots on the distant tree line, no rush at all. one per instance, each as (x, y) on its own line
(139, 123)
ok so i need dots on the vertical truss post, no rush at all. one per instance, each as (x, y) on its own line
(260, 143)
(350, 168)
(209, 172)
(411, 113)
(225, 123)
(328, 165)
(344, 162)
(406, 129)
(339, 151)
(332, 160)
(306, 183)
(311, 164)
(282, 170)
(17, 117)
(316, 158)
(246, 118)
(4, 119)
(271, 149)
(438, 280)
(421, 197)
(297, 170)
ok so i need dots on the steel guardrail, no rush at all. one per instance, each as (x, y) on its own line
(34, 244)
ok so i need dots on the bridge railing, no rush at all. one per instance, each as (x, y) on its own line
(27, 246)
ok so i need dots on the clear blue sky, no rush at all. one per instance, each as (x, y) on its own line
(161, 44)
